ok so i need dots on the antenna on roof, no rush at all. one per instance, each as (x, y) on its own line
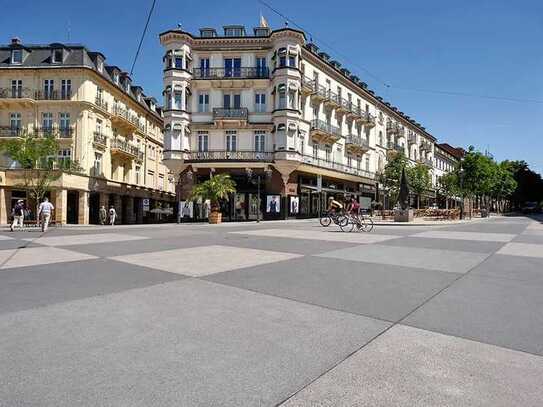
(68, 30)
(179, 25)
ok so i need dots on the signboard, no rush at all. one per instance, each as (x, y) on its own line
(319, 183)
(145, 202)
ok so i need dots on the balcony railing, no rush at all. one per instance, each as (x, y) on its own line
(241, 113)
(222, 155)
(16, 93)
(393, 128)
(357, 141)
(125, 147)
(8, 131)
(129, 117)
(426, 161)
(231, 73)
(412, 139)
(52, 95)
(321, 126)
(425, 146)
(332, 165)
(99, 138)
(395, 147)
(101, 103)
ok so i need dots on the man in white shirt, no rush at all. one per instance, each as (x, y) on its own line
(44, 210)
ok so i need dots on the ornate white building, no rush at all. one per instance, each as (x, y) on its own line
(269, 107)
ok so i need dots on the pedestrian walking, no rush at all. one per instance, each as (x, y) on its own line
(112, 215)
(18, 214)
(103, 215)
(44, 213)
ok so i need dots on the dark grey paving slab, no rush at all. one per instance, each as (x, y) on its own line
(489, 226)
(183, 343)
(29, 287)
(411, 367)
(376, 290)
(417, 257)
(498, 311)
(446, 244)
(526, 269)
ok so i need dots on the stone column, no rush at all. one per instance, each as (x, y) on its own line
(130, 211)
(118, 204)
(83, 211)
(104, 200)
(61, 206)
(139, 212)
(5, 207)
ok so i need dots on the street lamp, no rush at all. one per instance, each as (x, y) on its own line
(461, 174)
(186, 177)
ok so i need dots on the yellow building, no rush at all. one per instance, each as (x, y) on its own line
(103, 122)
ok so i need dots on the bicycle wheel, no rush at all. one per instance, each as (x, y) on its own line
(347, 226)
(342, 220)
(325, 220)
(366, 224)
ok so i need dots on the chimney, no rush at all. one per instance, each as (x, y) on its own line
(15, 41)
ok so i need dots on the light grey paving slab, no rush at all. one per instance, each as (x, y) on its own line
(533, 232)
(529, 238)
(527, 269)
(185, 343)
(429, 259)
(498, 311)
(35, 256)
(375, 290)
(447, 234)
(324, 234)
(412, 367)
(4, 237)
(86, 239)
(446, 244)
(37, 286)
(205, 260)
(535, 226)
(522, 249)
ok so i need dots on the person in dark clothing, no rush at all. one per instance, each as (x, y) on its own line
(18, 214)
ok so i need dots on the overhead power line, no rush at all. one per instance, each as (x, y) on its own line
(142, 37)
(384, 83)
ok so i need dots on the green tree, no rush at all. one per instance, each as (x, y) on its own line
(216, 188)
(390, 177)
(449, 187)
(503, 184)
(419, 180)
(529, 184)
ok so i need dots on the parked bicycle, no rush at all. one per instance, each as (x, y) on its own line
(338, 217)
(359, 221)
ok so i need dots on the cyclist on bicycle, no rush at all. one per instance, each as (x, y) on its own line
(334, 206)
(353, 207)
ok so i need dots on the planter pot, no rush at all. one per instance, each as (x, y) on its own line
(215, 217)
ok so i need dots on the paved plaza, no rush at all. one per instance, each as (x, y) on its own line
(273, 314)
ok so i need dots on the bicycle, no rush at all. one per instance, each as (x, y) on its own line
(338, 218)
(360, 221)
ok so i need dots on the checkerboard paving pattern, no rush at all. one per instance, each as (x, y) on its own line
(34, 256)
(205, 260)
(83, 239)
(522, 249)
(322, 234)
(446, 234)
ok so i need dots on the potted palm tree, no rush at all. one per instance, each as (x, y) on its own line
(216, 188)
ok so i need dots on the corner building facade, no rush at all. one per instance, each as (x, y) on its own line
(103, 122)
(280, 117)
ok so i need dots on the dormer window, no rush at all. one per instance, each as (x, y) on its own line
(56, 56)
(116, 78)
(100, 66)
(17, 56)
(262, 31)
(234, 31)
(207, 32)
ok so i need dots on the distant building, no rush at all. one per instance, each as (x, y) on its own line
(269, 102)
(102, 121)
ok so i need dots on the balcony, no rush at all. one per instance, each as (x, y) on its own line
(123, 149)
(226, 117)
(308, 86)
(100, 140)
(395, 148)
(335, 166)
(231, 73)
(332, 99)
(222, 155)
(425, 146)
(319, 93)
(52, 95)
(11, 132)
(356, 144)
(344, 105)
(16, 96)
(125, 119)
(426, 161)
(412, 139)
(323, 132)
(101, 103)
(392, 128)
(367, 118)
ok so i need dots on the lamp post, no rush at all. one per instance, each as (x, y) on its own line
(187, 176)
(461, 191)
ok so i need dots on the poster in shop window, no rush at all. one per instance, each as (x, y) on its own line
(294, 205)
(273, 204)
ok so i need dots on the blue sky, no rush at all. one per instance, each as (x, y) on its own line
(484, 47)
